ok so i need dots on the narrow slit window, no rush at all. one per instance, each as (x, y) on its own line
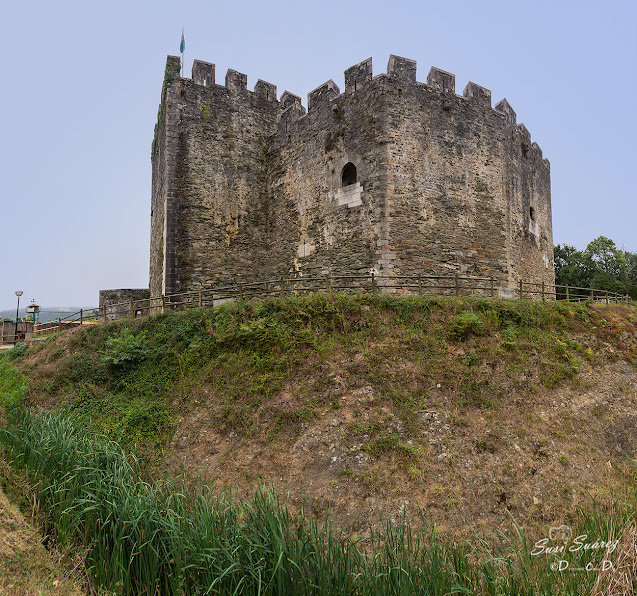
(532, 213)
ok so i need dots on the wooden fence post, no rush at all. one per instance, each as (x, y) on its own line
(457, 284)
(163, 303)
(592, 296)
(606, 296)
(567, 295)
(373, 284)
(282, 287)
(542, 291)
(132, 309)
(521, 282)
(59, 327)
(492, 289)
(200, 303)
(241, 290)
(81, 317)
(329, 283)
(420, 284)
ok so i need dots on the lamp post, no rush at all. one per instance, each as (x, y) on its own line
(15, 337)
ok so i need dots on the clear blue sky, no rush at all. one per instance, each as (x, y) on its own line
(81, 84)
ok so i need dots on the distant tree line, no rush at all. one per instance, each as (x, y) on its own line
(600, 265)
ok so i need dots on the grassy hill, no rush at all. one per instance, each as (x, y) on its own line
(484, 414)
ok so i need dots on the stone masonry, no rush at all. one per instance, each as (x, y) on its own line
(391, 175)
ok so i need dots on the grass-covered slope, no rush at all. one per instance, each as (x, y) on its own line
(474, 410)
(138, 376)
(376, 400)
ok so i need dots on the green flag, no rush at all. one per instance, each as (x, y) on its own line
(182, 46)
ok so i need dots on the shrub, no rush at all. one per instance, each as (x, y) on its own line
(465, 324)
(126, 349)
(17, 350)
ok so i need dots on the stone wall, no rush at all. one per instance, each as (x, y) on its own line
(391, 175)
(124, 303)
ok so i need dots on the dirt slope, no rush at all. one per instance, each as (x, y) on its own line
(26, 568)
(477, 411)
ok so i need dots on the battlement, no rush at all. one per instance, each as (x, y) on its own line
(400, 69)
(385, 173)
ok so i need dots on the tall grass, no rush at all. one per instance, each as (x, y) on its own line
(148, 537)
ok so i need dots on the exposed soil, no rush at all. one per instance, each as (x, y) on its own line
(533, 457)
(490, 439)
(26, 568)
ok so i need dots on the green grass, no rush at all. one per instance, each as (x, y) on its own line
(144, 537)
(134, 378)
(13, 384)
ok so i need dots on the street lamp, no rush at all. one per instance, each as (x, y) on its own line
(15, 338)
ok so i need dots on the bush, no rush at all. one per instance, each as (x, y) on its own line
(465, 324)
(126, 349)
(17, 350)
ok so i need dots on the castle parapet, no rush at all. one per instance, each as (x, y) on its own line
(173, 67)
(480, 95)
(287, 99)
(322, 94)
(524, 133)
(507, 111)
(358, 74)
(203, 73)
(402, 68)
(441, 81)
(236, 81)
(265, 90)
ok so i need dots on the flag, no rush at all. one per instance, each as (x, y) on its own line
(182, 46)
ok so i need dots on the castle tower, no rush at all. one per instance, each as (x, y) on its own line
(391, 175)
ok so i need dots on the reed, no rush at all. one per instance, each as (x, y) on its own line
(157, 538)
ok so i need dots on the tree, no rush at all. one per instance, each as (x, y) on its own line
(601, 265)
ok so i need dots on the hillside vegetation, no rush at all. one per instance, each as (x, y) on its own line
(479, 413)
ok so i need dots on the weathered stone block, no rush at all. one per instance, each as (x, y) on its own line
(402, 68)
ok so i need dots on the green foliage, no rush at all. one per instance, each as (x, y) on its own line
(142, 537)
(17, 350)
(465, 324)
(126, 349)
(508, 335)
(13, 385)
(601, 265)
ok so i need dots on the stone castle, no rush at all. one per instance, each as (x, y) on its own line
(391, 176)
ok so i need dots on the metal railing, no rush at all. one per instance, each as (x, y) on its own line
(433, 285)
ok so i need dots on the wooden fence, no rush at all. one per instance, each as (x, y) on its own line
(454, 285)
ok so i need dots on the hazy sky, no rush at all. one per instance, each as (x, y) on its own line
(81, 84)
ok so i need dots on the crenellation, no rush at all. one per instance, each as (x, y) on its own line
(402, 68)
(507, 111)
(441, 81)
(203, 73)
(265, 90)
(287, 99)
(478, 94)
(357, 75)
(524, 133)
(236, 81)
(324, 93)
(393, 176)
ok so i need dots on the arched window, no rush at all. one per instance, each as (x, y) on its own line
(348, 175)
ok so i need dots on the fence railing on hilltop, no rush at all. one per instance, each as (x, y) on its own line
(454, 285)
